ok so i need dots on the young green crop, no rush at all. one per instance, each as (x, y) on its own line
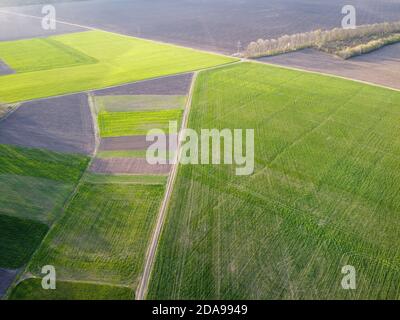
(121, 59)
(324, 193)
(18, 240)
(114, 124)
(103, 235)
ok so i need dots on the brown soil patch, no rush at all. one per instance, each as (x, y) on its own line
(127, 166)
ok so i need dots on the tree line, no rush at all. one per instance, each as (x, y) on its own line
(318, 39)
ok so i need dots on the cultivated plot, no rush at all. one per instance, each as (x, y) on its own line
(32, 198)
(120, 59)
(125, 120)
(128, 166)
(217, 25)
(44, 54)
(324, 193)
(114, 124)
(128, 146)
(34, 185)
(61, 124)
(172, 85)
(18, 240)
(381, 67)
(110, 252)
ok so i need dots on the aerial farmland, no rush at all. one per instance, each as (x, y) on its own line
(199, 150)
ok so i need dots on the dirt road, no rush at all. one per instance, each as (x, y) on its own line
(152, 249)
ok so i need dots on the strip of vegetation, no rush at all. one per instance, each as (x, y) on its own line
(115, 124)
(44, 54)
(372, 45)
(344, 43)
(41, 163)
(139, 102)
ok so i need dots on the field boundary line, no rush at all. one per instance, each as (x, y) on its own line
(142, 289)
(93, 113)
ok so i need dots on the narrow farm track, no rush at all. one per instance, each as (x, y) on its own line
(152, 249)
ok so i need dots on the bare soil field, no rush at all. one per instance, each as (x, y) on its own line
(381, 67)
(125, 143)
(6, 278)
(5, 69)
(216, 24)
(14, 27)
(174, 85)
(127, 166)
(61, 124)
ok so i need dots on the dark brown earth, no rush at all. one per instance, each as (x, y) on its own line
(127, 166)
(217, 24)
(6, 278)
(126, 143)
(15, 27)
(381, 67)
(174, 85)
(61, 124)
(5, 69)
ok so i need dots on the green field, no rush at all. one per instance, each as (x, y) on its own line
(18, 240)
(324, 193)
(32, 198)
(139, 102)
(41, 163)
(103, 235)
(44, 54)
(121, 59)
(31, 289)
(34, 185)
(114, 124)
